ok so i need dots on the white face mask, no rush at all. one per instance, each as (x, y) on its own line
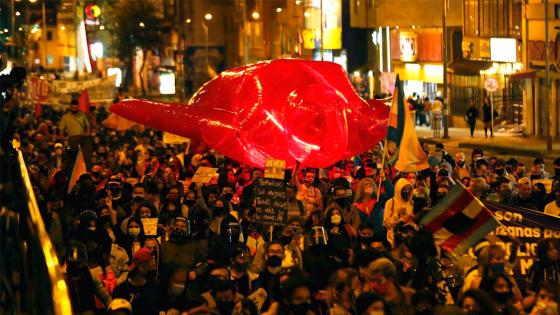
(134, 232)
(336, 219)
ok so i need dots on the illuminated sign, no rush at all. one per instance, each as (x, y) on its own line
(93, 11)
(503, 49)
(409, 46)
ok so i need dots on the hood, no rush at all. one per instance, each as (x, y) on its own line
(401, 183)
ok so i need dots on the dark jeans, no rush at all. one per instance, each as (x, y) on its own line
(472, 125)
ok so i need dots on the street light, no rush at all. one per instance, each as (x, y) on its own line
(188, 21)
(255, 15)
(141, 24)
(278, 10)
(207, 17)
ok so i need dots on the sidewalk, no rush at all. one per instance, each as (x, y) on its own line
(502, 143)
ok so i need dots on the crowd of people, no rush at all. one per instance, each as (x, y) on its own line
(351, 243)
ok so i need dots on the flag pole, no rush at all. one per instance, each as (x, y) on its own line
(382, 169)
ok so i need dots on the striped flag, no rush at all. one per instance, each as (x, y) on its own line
(459, 221)
(78, 170)
(402, 141)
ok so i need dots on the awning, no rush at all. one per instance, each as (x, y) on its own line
(468, 67)
(529, 74)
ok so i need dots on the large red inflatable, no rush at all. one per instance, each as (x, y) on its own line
(286, 109)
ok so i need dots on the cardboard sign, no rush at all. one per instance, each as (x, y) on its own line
(150, 226)
(270, 200)
(546, 182)
(275, 169)
(204, 175)
(170, 138)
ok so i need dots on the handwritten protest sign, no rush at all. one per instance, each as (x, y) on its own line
(204, 175)
(271, 203)
(150, 225)
(275, 169)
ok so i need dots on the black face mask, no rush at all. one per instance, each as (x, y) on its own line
(226, 307)
(365, 240)
(405, 194)
(178, 236)
(227, 197)
(343, 201)
(500, 172)
(502, 298)
(300, 309)
(274, 261)
(241, 266)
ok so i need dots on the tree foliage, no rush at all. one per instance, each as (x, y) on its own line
(136, 26)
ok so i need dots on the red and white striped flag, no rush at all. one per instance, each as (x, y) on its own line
(78, 170)
(459, 221)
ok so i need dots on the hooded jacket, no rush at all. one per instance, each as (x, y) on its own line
(393, 213)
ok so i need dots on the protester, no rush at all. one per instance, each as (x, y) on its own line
(350, 242)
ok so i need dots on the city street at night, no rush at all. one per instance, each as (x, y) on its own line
(280, 157)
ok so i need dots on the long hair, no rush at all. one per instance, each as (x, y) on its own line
(360, 189)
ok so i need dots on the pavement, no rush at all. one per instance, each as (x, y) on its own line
(504, 144)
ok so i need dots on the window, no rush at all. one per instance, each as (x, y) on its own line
(492, 18)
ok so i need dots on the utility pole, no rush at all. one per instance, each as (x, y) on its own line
(245, 37)
(44, 35)
(445, 96)
(547, 94)
(322, 41)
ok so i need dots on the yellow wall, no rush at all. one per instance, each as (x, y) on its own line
(432, 73)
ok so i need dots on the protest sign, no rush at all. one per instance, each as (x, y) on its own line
(150, 225)
(204, 175)
(170, 138)
(271, 203)
(528, 227)
(38, 89)
(274, 169)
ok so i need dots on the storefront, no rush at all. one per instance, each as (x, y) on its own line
(416, 56)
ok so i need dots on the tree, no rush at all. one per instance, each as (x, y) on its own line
(136, 27)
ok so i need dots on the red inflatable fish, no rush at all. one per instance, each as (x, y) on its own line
(285, 109)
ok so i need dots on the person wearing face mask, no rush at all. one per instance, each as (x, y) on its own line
(239, 269)
(343, 202)
(172, 206)
(547, 267)
(340, 236)
(82, 287)
(295, 298)
(267, 279)
(501, 289)
(140, 289)
(344, 287)
(382, 280)
(174, 294)
(134, 238)
(399, 208)
(76, 128)
(369, 303)
(222, 296)
(182, 251)
(548, 299)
